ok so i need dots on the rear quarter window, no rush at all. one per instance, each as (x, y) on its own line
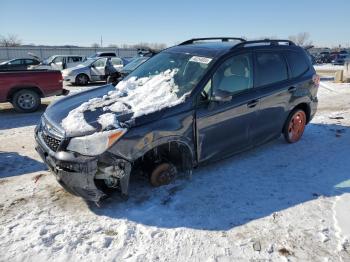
(297, 62)
(270, 68)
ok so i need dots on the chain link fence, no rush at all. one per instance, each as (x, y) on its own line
(7, 53)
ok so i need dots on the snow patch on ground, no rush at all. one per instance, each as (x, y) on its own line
(329, 67)
(139, 96)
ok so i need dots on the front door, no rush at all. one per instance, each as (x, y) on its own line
(223, 127)
(98, 69)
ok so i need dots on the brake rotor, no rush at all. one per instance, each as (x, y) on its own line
(163, 174)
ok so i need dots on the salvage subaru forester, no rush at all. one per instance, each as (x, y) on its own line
(202, 100)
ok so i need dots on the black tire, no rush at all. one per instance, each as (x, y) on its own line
(298, 119)
(26, 101)
(81, 80)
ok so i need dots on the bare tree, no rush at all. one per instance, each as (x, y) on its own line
(302, 39)
(95, 45)
(113, 45)
(10, 41)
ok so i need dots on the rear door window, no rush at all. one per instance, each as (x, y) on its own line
(297, 63)
(29, 62)
(116, 61)
(270, 68)
(74, 59)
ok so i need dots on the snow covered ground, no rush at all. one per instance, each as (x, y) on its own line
(328, 67)
(278, 202)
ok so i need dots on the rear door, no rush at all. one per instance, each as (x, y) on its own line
(98, 69)
(274, 93)
(223, 128)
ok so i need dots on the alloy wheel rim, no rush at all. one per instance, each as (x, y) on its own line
(26, 101)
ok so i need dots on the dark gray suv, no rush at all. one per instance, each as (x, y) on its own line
(202, 100)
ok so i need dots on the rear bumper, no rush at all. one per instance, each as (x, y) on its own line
(69, 79)
(74, 173)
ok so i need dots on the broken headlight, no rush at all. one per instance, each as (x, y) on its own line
(95, 144)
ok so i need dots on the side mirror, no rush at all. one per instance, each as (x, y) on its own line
(221, 96)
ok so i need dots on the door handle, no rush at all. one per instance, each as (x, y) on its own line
(252, 103)
(292, 89)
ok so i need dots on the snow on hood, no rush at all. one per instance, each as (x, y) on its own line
(139, 96)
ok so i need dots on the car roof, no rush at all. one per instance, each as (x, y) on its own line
(217, 49)
(208, 49)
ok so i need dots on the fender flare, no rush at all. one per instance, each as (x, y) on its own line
(163, 141)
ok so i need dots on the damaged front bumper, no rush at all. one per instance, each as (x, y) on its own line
(77, 173)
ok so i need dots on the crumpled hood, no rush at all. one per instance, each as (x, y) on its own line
(134, 101)
(58, 110)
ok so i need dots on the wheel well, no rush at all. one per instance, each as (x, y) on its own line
(82, 74)
(16, 89)
(306, 108)
(175, 152)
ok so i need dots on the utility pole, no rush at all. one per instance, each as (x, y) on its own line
(101, 40)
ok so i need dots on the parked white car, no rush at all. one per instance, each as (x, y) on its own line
(59, 62)
(93, 69)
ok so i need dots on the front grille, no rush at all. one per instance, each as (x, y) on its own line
(52, 142)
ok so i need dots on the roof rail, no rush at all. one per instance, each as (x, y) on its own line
(223, 39)
(265, 41)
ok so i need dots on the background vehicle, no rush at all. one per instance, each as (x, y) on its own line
(103, 54)
(59, 62)
(124, 71)
(93, 69)
(340, 59)
(323, 57)
(25, 88)
(18, 64)
(190, 104)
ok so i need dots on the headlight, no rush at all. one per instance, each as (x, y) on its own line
(95, 144)
(66, 73)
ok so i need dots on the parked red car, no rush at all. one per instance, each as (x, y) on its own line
(24, 89)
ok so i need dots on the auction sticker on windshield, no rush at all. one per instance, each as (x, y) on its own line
(200, 59)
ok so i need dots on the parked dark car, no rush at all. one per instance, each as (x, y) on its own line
(191, 104)
(24, 89)
(18, 64)
(103, 54)
(118, 75)
(340, 59)
(323, 57)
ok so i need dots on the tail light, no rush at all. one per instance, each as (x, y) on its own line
(60, 80)
(316, 80)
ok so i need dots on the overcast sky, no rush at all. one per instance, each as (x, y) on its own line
(83, 22)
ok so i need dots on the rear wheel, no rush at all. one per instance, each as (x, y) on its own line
(294, 126)
(81, 80)
(163, 174)
(26, 101)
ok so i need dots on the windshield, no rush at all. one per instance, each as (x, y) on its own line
(135, 63)
(48, 60)
(189, 69)
(87, 62)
